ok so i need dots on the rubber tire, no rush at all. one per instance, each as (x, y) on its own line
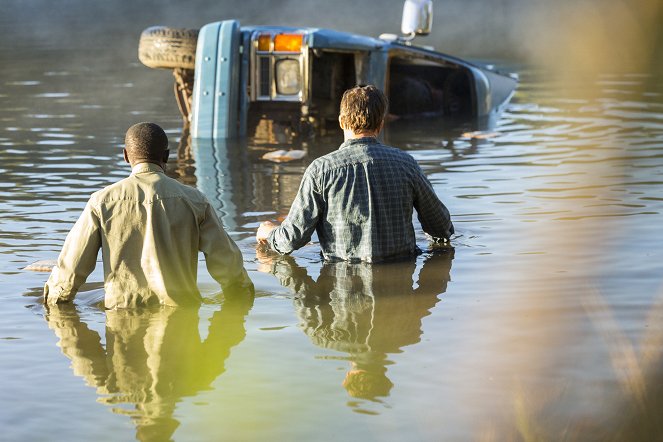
(161, 47)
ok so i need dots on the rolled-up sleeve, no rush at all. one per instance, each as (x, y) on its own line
(302, 219)
(222, 256)
(432, 213)
(77, 258)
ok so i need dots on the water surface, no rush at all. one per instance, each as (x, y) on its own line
(544, 319)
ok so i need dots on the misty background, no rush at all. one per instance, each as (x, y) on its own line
(623, 32)
(555, 38)
(559, 216)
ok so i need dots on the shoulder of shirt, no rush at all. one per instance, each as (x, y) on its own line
(396, 154)
(400, 153)
(337, 158)
(191, 192)
(107, 192)
(101, 194)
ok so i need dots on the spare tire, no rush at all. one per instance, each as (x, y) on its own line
(168, 48)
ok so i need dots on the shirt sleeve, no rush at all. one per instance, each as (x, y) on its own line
(222, 256)
(432, 213)
(77, 258)
(302, 219)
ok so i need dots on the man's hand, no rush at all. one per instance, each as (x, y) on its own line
(264, 230)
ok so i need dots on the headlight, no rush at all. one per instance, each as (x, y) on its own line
(288, 81)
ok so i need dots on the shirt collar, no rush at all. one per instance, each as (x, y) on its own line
(355, 141)
(146, 167)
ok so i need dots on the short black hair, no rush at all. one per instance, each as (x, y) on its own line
(146, 141)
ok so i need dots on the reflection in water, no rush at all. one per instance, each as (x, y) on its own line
(152, 358)
(564, 198)
(223, 175)
(184, 169)
(366, 310)
(236, 181)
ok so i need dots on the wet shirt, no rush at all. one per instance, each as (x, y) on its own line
(149, 228)
(360, 200)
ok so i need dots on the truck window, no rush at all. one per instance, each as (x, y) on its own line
(424, 88)
(332, 74)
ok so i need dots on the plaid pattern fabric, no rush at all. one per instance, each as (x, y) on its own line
(360, 199)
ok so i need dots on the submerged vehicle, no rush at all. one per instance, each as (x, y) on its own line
(235, 81)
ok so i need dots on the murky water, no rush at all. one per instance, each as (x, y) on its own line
(545, 321)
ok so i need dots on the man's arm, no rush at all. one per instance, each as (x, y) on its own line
(432, 213)
(77, 259)
(302, 219)
(222, 256)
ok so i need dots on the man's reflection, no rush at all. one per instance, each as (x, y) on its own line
(365, 310)
(152, 357)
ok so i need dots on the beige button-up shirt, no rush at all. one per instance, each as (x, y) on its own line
(149, 228)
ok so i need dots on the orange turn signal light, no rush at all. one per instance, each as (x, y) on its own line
(288, 42)
(263, 42)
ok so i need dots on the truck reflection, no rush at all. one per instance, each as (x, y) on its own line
(230, 173)
(368, 311)
(152, 358)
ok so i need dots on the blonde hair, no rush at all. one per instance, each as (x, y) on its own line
(363, 109)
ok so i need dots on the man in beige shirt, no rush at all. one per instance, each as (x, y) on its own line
(149, 228)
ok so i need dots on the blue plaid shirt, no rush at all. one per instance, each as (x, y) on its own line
(359, 199)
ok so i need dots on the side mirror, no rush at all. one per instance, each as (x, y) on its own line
(417, 17)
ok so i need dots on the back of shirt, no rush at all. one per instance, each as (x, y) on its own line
(150, 229)
(368, 191)
(360, 199)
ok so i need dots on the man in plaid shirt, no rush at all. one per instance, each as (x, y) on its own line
(360, 197)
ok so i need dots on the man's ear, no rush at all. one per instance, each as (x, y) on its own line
(340, 122)
(126, 156)
(166, 154)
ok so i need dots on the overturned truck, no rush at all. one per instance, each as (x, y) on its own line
(232, 80)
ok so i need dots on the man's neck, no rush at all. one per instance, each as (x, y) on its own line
(139, 162)
(350, 135)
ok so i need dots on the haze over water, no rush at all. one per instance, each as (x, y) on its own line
(543, 322)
